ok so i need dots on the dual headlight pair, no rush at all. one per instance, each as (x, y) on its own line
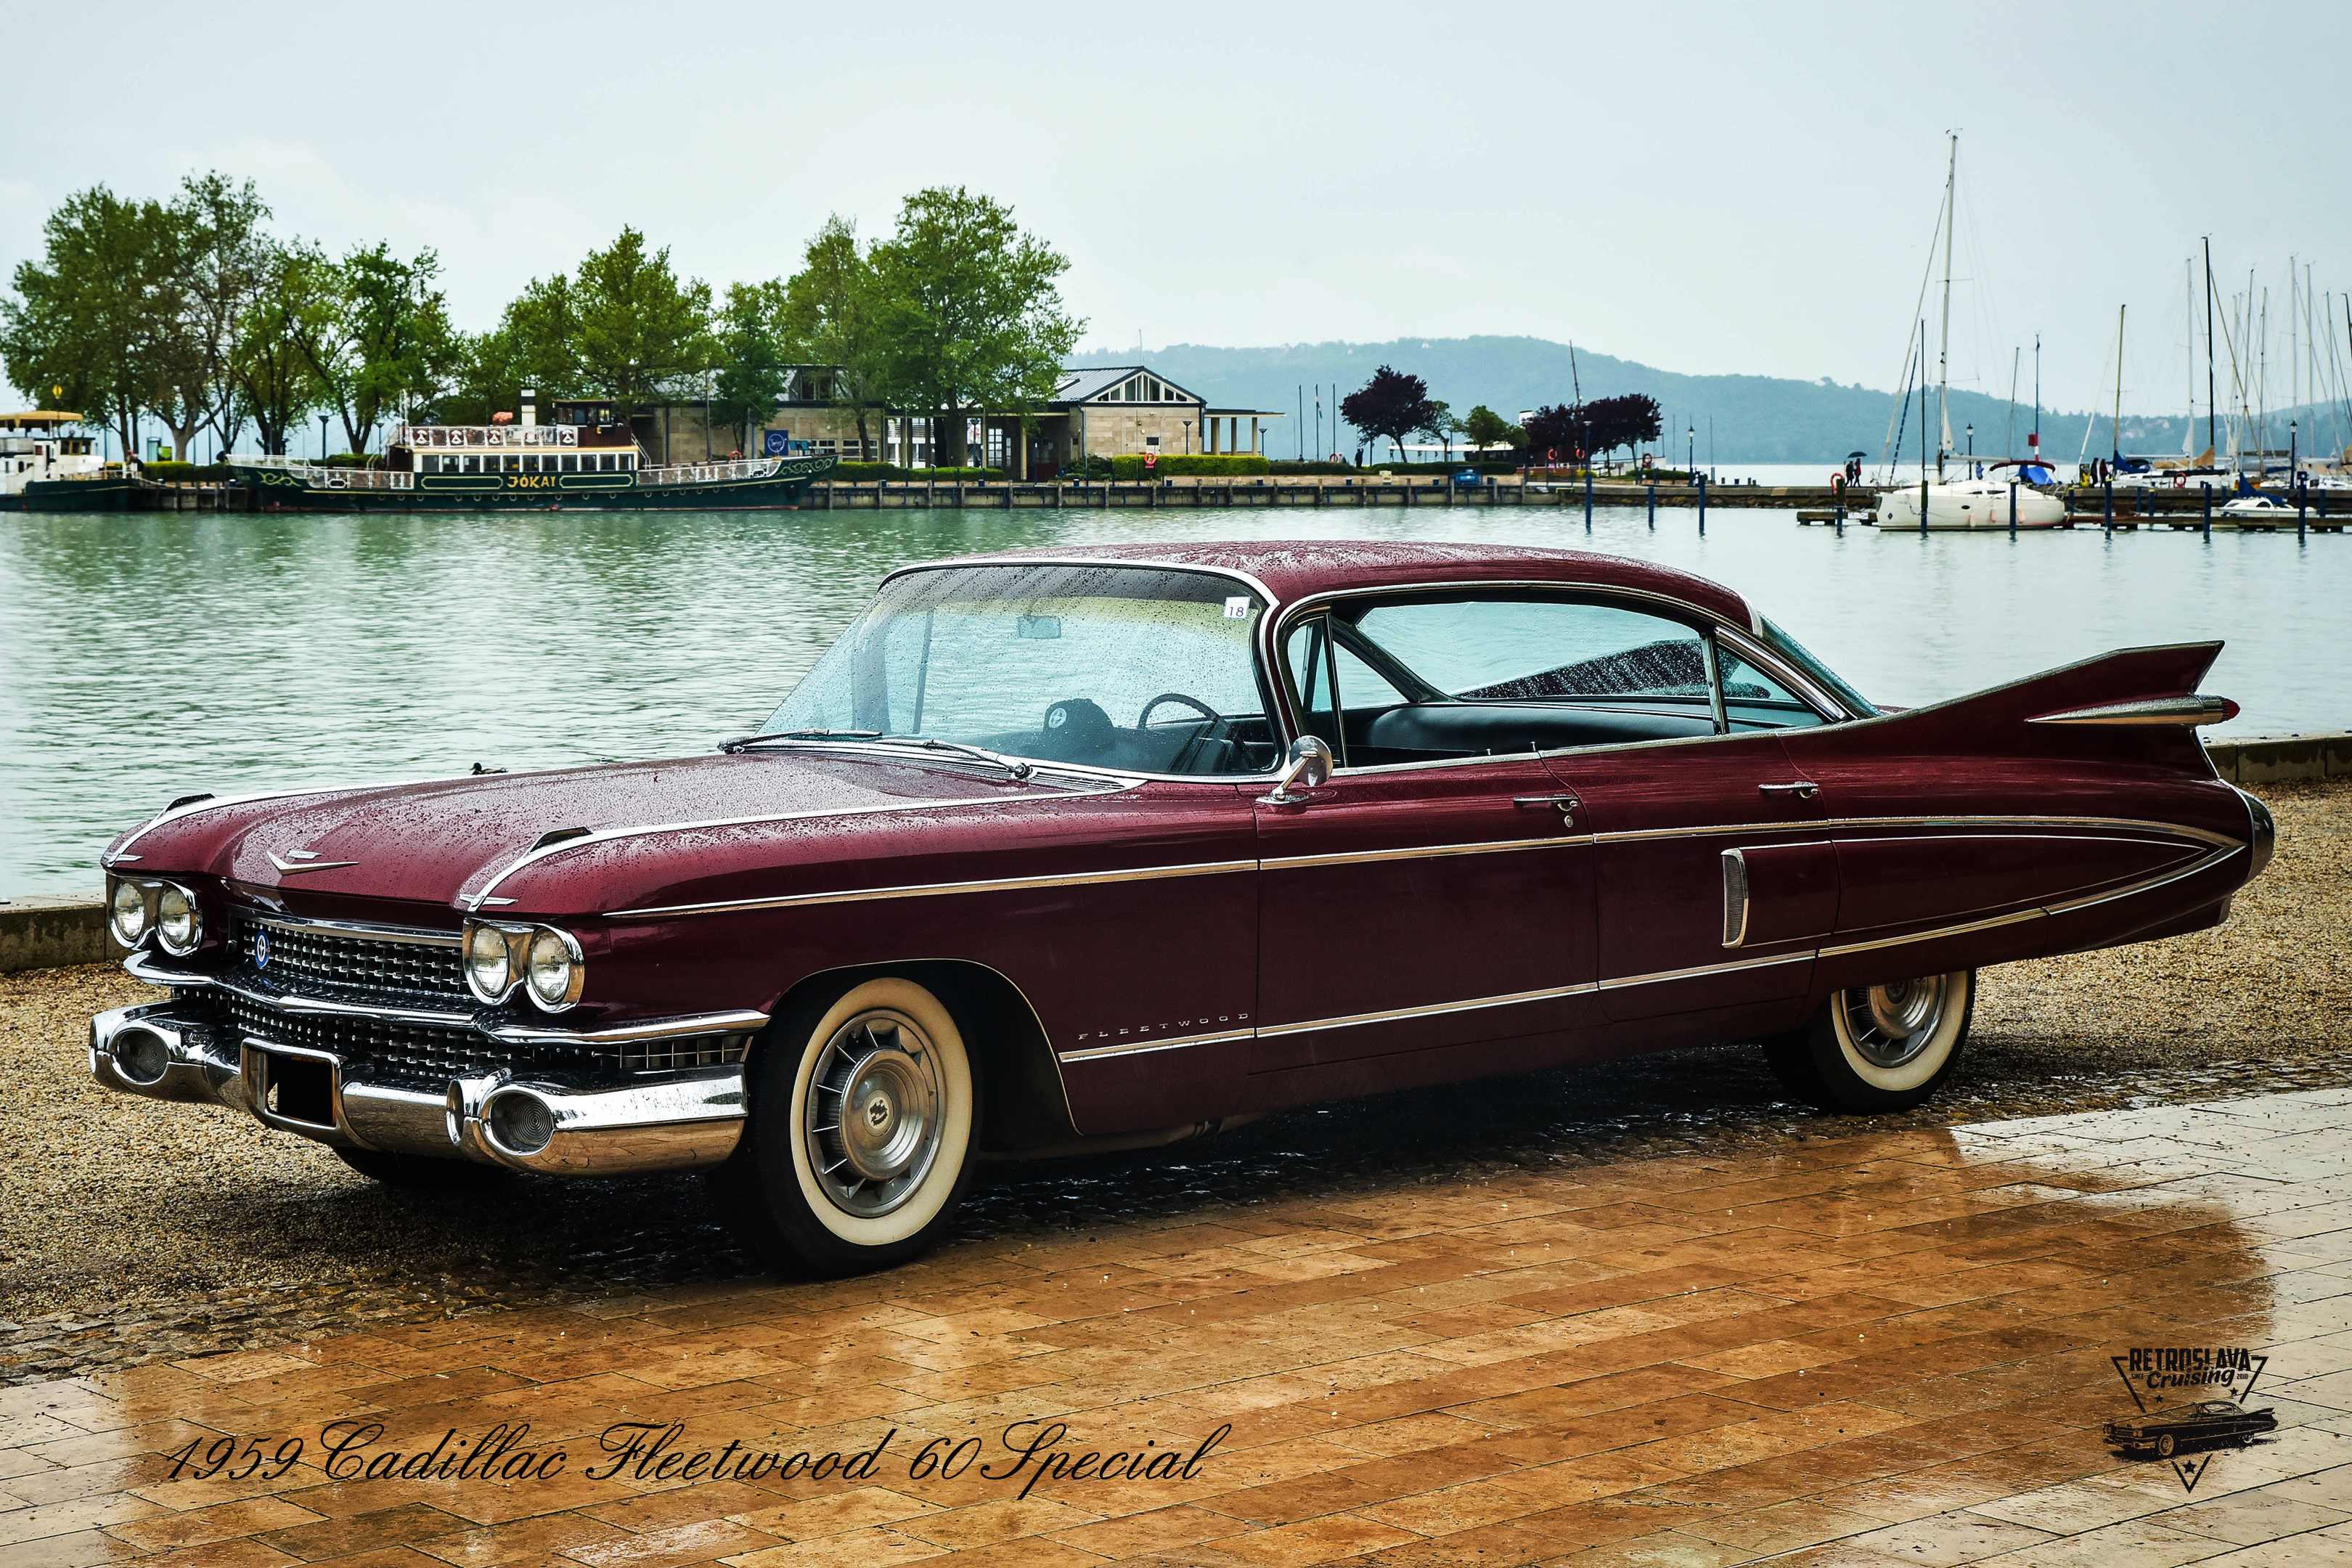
(139, 905)
(545, 961)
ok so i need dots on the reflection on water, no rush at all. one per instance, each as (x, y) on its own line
(151, 656)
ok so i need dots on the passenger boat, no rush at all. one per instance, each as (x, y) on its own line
(526, 466)
(42, 468)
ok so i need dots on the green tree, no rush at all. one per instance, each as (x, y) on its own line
(636, 327)
(1439, 425)
(225, 260)
(87, 316)
(275, 384)
(399, 344)
(970, 315)
(1485, 426)
(1391, 404)
(833, 312)
(755, 356)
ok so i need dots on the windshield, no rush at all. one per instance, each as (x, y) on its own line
(1795, 652)
(1139, 669)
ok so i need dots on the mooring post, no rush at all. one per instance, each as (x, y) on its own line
(1653, 506)
(1923, 503)
(2302, 501)
(2207, 528)
(1588, 500)
(1701, 501)
(2110, 523)
(2302, 529)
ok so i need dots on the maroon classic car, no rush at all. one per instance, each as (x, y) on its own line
(1113, 847)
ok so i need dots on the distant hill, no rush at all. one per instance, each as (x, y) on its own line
(1757, 418)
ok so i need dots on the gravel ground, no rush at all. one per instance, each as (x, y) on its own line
(133, 1231)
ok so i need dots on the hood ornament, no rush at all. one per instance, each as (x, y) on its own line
(295, 862)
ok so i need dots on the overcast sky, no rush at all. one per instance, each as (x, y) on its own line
(1708, 188)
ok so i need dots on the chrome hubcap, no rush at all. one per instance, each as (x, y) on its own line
(874, 1114)
(1890, 1025)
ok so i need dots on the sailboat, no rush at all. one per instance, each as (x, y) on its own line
(1983, 498)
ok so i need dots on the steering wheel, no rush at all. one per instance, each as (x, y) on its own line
(1218, 728)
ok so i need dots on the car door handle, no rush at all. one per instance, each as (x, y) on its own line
(1565, 804)
(1803, 789)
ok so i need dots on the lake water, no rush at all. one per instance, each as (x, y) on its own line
(143, 656)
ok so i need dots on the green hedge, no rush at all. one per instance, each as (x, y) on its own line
(184, 473)
(1221, 465)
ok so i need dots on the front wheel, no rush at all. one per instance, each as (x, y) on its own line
(2165, 1445)
(1878, 1048)
(860, 1143)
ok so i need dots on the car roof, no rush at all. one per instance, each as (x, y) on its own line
(1295, 569)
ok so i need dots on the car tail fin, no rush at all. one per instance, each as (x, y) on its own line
(2138, 705)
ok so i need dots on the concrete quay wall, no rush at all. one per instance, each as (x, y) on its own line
(49, 931)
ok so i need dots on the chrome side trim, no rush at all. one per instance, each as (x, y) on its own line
(1734, 897)
(1814, 825)
(351, 928)
(141, 966)
(937, 889)
(736, 1023)
(2194, 708)
(609, 834)
(2092, 900)
(1140, 1048)
(1842, 949)
(1623, 981)
(1422, 852)
(1394, 1014)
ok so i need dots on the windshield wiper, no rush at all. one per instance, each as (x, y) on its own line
(745, 742)
(1012, 765)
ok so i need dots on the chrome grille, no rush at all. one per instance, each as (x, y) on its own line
(416, 1055)
(346, 966)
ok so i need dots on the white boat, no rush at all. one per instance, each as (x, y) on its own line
(1973, 505)
(2265, 508)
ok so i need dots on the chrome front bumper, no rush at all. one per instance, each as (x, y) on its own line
(679, 1122)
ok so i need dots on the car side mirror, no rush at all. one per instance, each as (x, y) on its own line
(1309, 765)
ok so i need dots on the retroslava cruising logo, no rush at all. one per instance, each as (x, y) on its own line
(2188, 1397)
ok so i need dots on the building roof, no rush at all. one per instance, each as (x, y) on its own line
(1295, 568)
(1080, 382)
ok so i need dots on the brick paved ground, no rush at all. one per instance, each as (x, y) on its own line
(1888, 1347)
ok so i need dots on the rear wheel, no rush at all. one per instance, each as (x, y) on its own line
(421, 1171)
(1878, 1048)
(859, 1143)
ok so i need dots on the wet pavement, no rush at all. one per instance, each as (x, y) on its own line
(1854, 1344)
(137, 1232)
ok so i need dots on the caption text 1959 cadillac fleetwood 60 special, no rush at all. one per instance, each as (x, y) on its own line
(1116, 847)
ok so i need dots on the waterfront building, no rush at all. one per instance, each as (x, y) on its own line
(1096, 411)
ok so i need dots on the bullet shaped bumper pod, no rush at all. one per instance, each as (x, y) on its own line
(678, 1122)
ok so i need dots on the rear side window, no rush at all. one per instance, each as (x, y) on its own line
(1531, 650)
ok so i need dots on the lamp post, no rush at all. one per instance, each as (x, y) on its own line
(323, 440)
(1972, 452)
(1690, 453)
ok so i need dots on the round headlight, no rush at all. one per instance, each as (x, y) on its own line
(488, 970)
(127, 913)
(552, 970)
(178, 926)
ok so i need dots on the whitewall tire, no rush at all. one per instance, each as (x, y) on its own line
(859, 1144)
(1873, 1049)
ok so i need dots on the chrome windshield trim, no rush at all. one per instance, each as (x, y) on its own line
(1393, 1015)
(1620, 982)
(937, 889)
(356, 929)
(737, 1023)
(1141, 1047)
(1097, 563)
(290, 1002)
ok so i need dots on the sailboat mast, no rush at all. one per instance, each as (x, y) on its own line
(2009, 438)
(2188, 304)
(2035, 441)
(1944, 340)
(2212, 414)
(2116, 428)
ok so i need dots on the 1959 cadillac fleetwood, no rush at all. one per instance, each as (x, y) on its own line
(1113, 848)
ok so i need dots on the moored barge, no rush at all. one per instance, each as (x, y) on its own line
(526, 468)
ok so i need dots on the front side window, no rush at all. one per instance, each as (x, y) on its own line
(1133, 669)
